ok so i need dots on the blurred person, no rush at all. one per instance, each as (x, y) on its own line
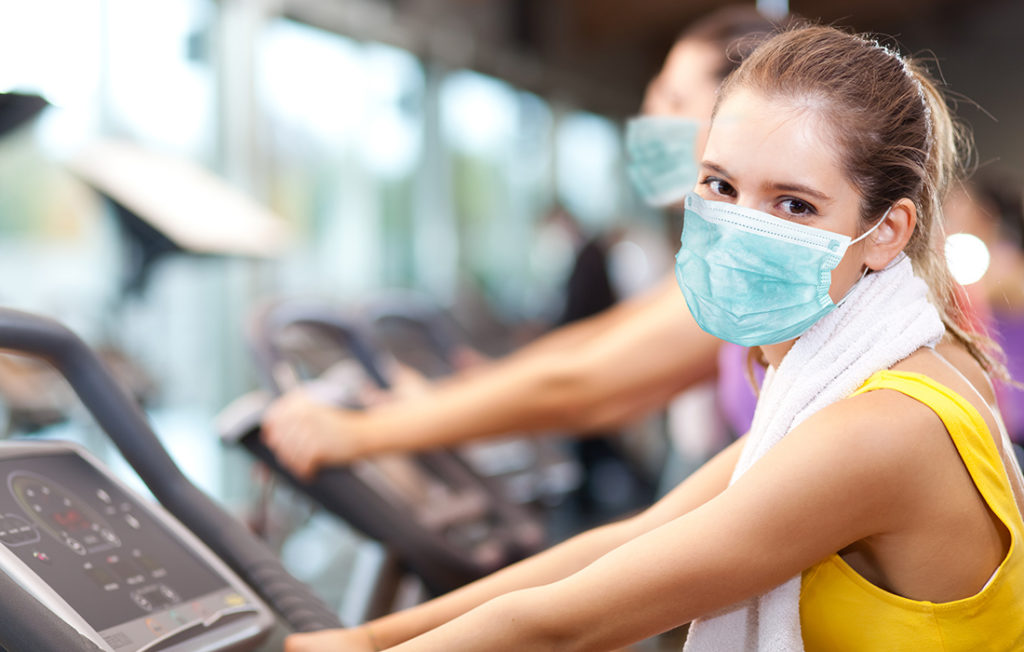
(991, 208)
(609, 486)
(588, 376)
(567, 257)
(873, 504)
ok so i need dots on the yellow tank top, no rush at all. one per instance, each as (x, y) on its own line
(840, 611)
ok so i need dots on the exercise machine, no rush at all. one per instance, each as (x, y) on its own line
(442, 521)
(87, 564)
(420, 334)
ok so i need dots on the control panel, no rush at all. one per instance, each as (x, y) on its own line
(126, 569)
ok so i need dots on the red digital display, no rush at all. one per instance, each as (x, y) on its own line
(71, 520)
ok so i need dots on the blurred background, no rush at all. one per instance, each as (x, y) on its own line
(194, 157)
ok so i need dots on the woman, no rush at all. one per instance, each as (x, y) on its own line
(591, 375)
(885, 517)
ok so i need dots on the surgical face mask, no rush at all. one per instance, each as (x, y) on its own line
(662, 157)
(752, 278)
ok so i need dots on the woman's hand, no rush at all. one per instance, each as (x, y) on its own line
(332, 640)
(405, 382)
(306, 435)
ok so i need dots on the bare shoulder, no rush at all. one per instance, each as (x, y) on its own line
(858, 468)
(966, 366)
(950, 365)
(865, 443)
(895, 440)
(882, 427)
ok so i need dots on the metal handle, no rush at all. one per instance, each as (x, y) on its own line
(418, 310)
(275, 318)
(440, 564)
(120, 417)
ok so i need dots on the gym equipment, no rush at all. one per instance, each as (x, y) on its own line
(589, 480)
(422, 335)
(89, 565)
(18, 109)
(443, 522)
(88, 548)
(164, 206)
(417, 331)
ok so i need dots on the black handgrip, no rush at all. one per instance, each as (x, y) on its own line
(423, 313)
(29, 626)
(318, 316)
(441, 564)
(441, 567)
(120, 417)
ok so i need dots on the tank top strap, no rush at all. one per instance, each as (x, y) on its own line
(968, 430)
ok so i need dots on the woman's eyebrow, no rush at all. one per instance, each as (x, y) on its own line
(777, 186)
(797, 188)
(715, 167)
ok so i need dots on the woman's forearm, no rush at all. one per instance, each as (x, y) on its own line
(635, 366)
(551, 565)
(499, 624)
(579, 332)
(508, 396)
(558, 563)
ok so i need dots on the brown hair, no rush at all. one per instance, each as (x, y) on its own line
(734, 30)
(895, 134)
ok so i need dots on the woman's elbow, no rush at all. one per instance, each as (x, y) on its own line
(577, 396)
(537, 622)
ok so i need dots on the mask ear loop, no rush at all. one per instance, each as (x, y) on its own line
(866, 268)
(875, 226)
(866, 234)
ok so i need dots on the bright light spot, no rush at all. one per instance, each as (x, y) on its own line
(52, 48)
(629, 267)
(391, 143)
(967, 257)
(391, 138)
(313, 81)
(479, 113)
(156, 93)
(587, 167)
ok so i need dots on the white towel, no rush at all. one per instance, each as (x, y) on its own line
(886, 317)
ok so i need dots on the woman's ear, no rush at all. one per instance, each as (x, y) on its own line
(892, 234)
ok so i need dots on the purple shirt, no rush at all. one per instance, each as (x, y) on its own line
(1008, 330)
(736, 398)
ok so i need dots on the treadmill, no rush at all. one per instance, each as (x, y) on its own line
(441, 521)
(422, 335)
(87, 564)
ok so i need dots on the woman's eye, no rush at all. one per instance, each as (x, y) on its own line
(797, 207)
(719, 186)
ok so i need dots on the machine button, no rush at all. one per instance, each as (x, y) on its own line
(155, 626)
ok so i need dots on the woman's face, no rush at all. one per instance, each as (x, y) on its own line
(686, 85)
(778, 158)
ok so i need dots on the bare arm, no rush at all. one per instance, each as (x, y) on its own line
(635, 365)
(577, 333)
(819, 490)
(552, 565)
